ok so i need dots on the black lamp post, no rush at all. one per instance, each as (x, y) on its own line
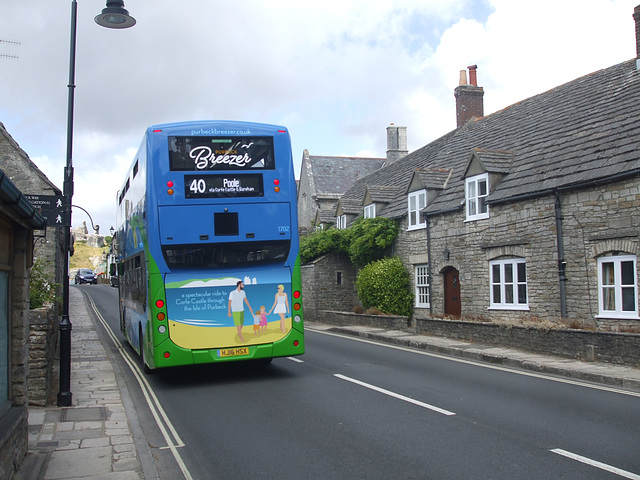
(114, 16)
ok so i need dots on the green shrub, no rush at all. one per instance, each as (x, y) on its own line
(368, 238)
(42, 290)
(365, 241)
(385, 284)
(322, 242)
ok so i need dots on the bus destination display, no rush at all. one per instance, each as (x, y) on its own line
(220, 153)
(223, 186)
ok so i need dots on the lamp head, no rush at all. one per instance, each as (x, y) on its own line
(115, 16)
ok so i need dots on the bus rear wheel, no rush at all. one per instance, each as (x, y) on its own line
(145, 367)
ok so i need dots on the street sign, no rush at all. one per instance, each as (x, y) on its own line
(52, 208)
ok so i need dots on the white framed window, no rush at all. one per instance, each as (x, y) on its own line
(416, 202)
(509, 284)
(476, 191)
(617, 286)
(341, 222)
(423, 299)
(370, 211)
(320, 227)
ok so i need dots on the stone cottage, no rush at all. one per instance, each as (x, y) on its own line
(49, 248)
(323, 180)
(530, 212)
(18, 220)
(31, 181)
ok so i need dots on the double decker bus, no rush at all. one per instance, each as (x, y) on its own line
(207, 245)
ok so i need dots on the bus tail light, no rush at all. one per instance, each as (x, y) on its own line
(296, 343)
(160, 315)
(166, 354)
(296, 305)
(276, 182)
(170, 187)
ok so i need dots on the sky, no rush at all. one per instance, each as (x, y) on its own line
(335, 73)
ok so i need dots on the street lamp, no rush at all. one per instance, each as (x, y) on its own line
(114, 16)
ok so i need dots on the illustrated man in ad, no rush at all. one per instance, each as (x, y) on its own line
(237, 299)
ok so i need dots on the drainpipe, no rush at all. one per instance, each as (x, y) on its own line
(426, 218)
(562, 265)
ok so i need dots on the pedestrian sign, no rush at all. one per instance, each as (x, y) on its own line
(52, 208)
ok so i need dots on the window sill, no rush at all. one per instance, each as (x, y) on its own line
(475, 219)
(615, 317)
(509, 307)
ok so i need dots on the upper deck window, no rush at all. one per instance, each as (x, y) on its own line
(220, 153)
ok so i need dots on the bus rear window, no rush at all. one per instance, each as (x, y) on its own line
(221, 153)
(213, 255)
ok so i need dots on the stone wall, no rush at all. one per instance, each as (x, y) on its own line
(328, 283)
(609, 347)
(387, 322)
(13, 441)
(43, 336)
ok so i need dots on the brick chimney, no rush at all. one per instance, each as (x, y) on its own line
(636, 17)
(469, 97)
(396, 143)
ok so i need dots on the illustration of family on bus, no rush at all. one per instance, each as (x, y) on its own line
(237, 300)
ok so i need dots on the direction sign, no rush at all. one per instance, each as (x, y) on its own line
(52, 208)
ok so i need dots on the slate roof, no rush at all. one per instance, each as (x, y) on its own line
(382, 193)
(583, 131)
(494, 161)
(335, 175)
(434, 178)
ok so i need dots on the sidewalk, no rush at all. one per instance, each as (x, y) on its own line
(93, 437)
(615, 376)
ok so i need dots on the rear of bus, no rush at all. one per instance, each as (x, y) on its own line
(224, 275)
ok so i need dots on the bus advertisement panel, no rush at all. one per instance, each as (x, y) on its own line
(207, 245)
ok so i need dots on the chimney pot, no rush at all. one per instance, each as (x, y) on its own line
(473, 78)
(463, 77)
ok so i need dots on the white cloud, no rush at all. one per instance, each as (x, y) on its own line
(336, 73)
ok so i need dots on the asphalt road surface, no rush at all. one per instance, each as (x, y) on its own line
(351, 409)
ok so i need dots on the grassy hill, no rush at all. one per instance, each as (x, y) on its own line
(82, 256)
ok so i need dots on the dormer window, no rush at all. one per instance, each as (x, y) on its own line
(370, 211)
(341, 222)
(416, 202)
(477, 190)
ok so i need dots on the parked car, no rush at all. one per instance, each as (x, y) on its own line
(86, 275)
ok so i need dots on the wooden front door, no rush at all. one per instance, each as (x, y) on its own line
(452, 305)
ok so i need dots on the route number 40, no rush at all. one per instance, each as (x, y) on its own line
(198, 185)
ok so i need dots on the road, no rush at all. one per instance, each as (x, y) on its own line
(352, 409)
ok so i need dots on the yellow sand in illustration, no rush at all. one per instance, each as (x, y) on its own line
(195, 337)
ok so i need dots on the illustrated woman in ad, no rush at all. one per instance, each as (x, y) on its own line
(281, 306)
